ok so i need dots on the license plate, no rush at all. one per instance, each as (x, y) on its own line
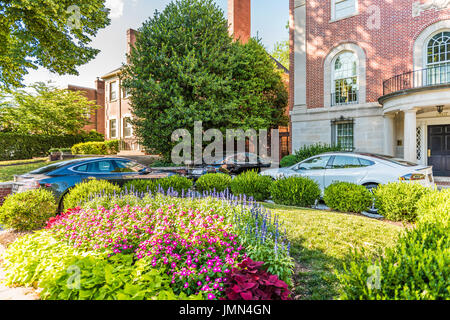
(15, 188)
(197, 171)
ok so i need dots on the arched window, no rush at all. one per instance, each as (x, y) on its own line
(438, 59)
(345, 78)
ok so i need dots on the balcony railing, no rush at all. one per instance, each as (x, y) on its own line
(343, 98)
(431, 76)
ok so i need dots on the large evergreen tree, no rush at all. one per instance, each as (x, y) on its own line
(186, 68)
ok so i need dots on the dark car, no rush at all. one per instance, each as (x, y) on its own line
(60, 177)
(230, 164)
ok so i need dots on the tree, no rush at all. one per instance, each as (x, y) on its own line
(53, 34)
(281, 53)
(186, 67)
(45, 110)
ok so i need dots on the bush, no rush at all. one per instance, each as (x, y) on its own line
(213, 181)
(398, 201)
(295, 191)
(288, 161)
(417, 268)
(347, 197)
(112, 146)
(312, 150)
(83, 192)
(250, 282)
(28, 210)
(176, 183)
(96, 148)
(252, 185)
(435, 207)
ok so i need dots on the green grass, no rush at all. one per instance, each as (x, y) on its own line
(12, 162)
(321, 241)
(7, 173)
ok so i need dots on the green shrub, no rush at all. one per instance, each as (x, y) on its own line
(312, 150)
(288, 161)
(175, 182)
(82, 192)
(109, 201)
(213, 181)
(435, 207)
(112, 146)
(398, 201)
(295, 191)
(252, 184)
(97, 148)
(28, 210)
(347, 197)
(417, 268)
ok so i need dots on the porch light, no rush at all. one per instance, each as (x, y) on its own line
(440, 109)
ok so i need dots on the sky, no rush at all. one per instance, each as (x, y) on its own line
(269, 19)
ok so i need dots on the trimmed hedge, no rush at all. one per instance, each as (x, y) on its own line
(28, 210)
(15, 146)
(347, 197)
(435, 207)
(251, 184)
(82, 192)
(295, 191)
(398, 201)
(288, 161)
(213, 181)
(96, 148)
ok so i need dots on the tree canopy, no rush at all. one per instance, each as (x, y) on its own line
(53, 34)
(45, 110)
(186, 67)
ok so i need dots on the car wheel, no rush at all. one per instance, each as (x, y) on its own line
(370, 187)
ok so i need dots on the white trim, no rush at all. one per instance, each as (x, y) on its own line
(361, 68)
(127, 115)
(108, 128)
(421, 43)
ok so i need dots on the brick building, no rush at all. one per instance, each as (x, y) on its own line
(373, 76)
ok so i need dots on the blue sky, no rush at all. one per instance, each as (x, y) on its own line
(269, 18)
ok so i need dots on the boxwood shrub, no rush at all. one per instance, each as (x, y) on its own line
(435, 207)
(288, 161)
(417, 268)
(398, 201)
(347, 197)
(251, 184)
(83, 192)
(176, 183)
(96, 148)
(28, 210)
(295, 191)
(213, 181)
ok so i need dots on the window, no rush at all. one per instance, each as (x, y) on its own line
(366, 163)
(127, 127)
(345, 162)
(113, 128)
(113, 88)
(343, 8)
(343, 135)
(125, 93)
(128, 166)
(318, 163)
(345, 79)
(103, 167)
(438, 59)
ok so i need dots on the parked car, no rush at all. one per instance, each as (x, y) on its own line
(60, 177)
(233, 164)
(365, 169)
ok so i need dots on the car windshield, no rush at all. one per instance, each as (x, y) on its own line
(396, 161)
(52, 167)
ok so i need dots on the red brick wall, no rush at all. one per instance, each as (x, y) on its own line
(5, 190)
(389, 49)
(239, 17)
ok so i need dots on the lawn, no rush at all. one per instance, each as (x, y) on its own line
(321, 242)
(7, 172)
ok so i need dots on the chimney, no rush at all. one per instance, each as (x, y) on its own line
(239, 19)
(131, 40)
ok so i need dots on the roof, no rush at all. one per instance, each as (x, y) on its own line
(279, 65)
(112, 73)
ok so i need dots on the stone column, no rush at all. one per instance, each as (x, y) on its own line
(410, 143)
(389, 135)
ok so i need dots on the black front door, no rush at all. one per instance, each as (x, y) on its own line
(439, 149)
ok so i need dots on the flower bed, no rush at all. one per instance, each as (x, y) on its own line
(196, 242)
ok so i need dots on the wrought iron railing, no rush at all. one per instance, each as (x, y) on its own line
(343, 98)
(129, 145)
(431, 76)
